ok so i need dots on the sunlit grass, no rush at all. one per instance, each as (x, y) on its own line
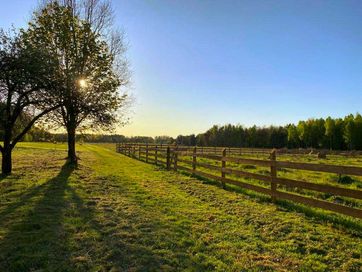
(351, 182)
(114, 213)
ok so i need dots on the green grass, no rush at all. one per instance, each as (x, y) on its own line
(114, 213)
(351, 182)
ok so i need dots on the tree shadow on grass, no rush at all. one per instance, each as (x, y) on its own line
(53, 228)
(123, 242)
(36, 241)
(3, 176)
(24, 199)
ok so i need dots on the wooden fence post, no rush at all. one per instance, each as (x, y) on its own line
(273, 175)
(168, 158)
(175, 155)
(146, 152)
(223, 165)
(194, 159)
(156, 155)
(139, 151)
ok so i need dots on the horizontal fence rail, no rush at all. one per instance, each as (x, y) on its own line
(221, 160)
(246, 150)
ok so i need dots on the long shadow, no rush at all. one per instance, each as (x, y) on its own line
(61, 231)
(2, 177)
(121, 247)
(23, 200)
(36, 241)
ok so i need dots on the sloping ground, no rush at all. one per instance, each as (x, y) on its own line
(114, 213)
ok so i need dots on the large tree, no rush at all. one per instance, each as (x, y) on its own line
(25, 91)
(90, 65)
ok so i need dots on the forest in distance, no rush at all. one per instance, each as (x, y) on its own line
(330, 133)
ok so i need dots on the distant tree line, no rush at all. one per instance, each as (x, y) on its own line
(337, 134)
(37, 134)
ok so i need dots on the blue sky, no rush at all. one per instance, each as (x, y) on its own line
(199, 63)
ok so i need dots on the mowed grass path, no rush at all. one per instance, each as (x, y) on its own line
(114, 213)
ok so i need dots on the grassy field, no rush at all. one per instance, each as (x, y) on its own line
(114, 213)
(350, 182)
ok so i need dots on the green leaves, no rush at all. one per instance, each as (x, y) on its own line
(81, 53)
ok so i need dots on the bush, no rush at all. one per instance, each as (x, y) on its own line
(345, 180)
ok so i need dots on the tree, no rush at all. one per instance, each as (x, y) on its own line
(317, 133)
(293, 136)
(338, 140)
(163, 140)
(353, 131)
(278, 137)
(25, 86)
(90, 67)
(330, 130)
(349, 131)
(358, 127)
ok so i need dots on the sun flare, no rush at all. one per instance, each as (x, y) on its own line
(83, 83)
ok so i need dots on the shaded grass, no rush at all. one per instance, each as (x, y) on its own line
(37, 238)
(114, 213)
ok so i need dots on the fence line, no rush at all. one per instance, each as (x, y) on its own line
(171, 156)
(249, 150)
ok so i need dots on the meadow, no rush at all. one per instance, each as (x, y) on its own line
(115, 213)
(340, 181)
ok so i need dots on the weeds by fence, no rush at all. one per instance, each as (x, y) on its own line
(173, 156)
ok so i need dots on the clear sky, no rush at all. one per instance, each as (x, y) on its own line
(198, 63)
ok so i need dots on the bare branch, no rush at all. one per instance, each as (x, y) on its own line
(30, 125)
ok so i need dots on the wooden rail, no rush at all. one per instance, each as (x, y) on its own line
(172, 156)
(248, 150)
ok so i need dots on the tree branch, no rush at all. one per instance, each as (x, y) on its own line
(29, 126)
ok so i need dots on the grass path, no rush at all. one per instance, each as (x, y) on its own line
(114, 213)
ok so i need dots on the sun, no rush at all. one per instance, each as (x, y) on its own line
(83, 83)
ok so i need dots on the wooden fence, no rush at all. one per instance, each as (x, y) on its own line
(172, 156)
(245, 150)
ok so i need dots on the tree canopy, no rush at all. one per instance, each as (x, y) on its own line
(329, 133)
(87, 78)
(25, 90)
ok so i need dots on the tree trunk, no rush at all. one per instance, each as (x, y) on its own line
(6, 165)
(72, 156)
